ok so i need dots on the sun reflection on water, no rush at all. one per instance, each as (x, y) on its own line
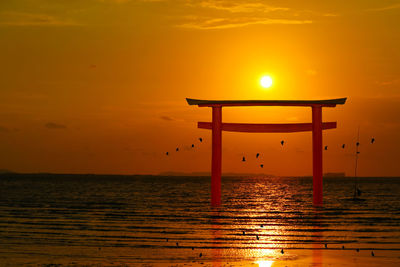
(264, 263)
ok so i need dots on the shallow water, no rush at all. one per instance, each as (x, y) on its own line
(154, 220)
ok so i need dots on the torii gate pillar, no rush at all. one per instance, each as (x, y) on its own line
(216, 156)
(317, 154)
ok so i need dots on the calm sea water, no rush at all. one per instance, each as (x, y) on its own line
(154, 220)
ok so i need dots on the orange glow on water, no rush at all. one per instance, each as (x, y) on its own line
(264, 263)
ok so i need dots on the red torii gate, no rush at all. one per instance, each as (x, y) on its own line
(217, 126)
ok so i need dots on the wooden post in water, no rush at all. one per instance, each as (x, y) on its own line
(317, 154)
(216, 156)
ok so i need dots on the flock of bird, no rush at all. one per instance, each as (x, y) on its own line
(282, 144)
(177, 149)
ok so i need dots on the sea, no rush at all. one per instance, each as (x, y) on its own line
(148, 220)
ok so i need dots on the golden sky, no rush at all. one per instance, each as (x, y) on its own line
(99, 86)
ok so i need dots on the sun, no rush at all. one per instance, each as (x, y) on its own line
(266, 81)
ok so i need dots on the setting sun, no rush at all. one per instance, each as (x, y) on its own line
(266, 81)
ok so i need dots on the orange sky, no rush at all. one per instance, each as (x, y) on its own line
(99, 86)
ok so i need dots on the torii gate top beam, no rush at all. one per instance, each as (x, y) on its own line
(299, 103)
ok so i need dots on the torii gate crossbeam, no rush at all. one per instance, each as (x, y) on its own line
(217, 127)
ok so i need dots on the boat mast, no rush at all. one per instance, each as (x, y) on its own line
(355, 169)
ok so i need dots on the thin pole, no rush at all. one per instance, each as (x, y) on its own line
(317, 154)
(355, 169)
(216, 156)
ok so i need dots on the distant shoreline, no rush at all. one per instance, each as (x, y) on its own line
(178, 174)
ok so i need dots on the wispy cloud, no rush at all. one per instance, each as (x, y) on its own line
(126, 1)
(389, 7)
(11, 18)
(53, 125)
(167, 118)
(226, 23)
(388, 82)
(240, 7)
(223, 14)
(331, 15)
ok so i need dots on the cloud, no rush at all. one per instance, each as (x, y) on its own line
(394, 6)
(226, 23)
(239, 7)
(167, 118)
(115, 1)
(33, 19)
(388, 82)
(223, 14)
(126, 1)
(52, 125)
(3, 129)
(330, 15)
